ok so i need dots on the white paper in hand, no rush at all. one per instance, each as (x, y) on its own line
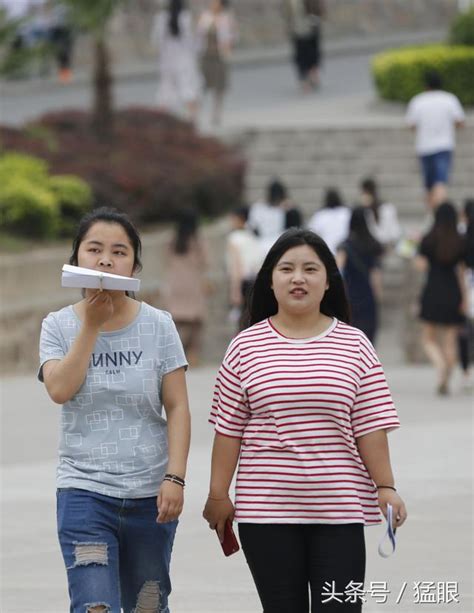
(85, 278)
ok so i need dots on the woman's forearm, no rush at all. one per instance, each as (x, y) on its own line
(179, 437)
(374, 451)
(64, 378)
(225, 455)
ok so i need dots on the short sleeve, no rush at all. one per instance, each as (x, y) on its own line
(373, 407)
(458, 112)
(230, 412)
(411, 116)
(170, 347)
(52, 344)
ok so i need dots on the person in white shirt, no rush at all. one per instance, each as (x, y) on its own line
(331, 221)
(382, 217)
(179, 82)
(267, 218)
(434, 115)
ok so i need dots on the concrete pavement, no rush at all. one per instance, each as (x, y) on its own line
(433, 458)
(263, 91)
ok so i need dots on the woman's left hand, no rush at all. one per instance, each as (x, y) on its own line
(387, 496)
(169, 502)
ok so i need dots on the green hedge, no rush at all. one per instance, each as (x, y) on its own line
(398, 74)
(462, 29)
(35, 204)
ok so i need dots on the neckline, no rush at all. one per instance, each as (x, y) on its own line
(112, 332)
(299, 341)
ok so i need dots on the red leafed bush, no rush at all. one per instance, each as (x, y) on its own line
(153, 166)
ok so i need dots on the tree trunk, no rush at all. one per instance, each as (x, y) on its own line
(103, 108)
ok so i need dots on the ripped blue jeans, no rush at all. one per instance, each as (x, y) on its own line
(116, 555)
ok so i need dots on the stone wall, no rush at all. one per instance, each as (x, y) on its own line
(261, 23)
(31, 288)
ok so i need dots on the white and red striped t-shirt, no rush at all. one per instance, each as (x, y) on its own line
(299, 405)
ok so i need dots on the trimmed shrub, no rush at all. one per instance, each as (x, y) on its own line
(15, 165)
(28, 209)
(155, 164)
(33, 204)
(462, 29)
(74, 198)
(399, 74)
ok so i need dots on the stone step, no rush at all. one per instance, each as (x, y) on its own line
(347, 145)
(409, 201)
(345, 137)
(459, 179)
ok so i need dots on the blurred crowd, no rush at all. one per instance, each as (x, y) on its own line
(43, 26)
(361, 237)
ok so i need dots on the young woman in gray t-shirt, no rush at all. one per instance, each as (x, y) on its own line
(113, 363)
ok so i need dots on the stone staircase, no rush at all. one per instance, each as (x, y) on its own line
(309, 160)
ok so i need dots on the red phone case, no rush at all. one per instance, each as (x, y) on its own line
(230, 544)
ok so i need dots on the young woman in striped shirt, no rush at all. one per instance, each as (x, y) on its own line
(301, 404)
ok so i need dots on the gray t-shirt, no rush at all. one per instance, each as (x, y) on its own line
(113, 437)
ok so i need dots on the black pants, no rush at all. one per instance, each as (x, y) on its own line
(466, 345)
(287, 559)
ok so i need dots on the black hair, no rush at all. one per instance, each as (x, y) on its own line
(242, 212)
(185, 230)
(444, 239)
(332, 199)
(293, 218)
(369, 186)
(360, 235)
(175, 7)
(112, 216)
(432, 79)
(263, 303)
(276, 192)
(469, 213)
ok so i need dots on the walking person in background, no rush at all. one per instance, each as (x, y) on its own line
(62, 39)
(382, 216)
(243, 260)
(303, 19)
(331, 221)
(293, 408)
(217, 34)
(466, 333)
(121, 466)
(267, 218)
(434, 115)
(179, 81)
(358, 258)
(187, 283)
(442, 256)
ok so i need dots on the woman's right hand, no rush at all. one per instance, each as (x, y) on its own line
(98, 309)
(216, 512)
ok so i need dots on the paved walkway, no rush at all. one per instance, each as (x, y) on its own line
(432, 456)
(263, 92)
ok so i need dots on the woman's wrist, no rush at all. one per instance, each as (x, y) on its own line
(217, 495)
(386, 487)
(174, 479)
